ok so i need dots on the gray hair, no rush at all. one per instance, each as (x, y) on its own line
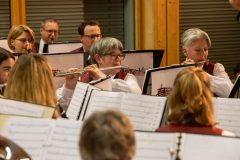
(102, 46)
(193, 34)
(49, 19)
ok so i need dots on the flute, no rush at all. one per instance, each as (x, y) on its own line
(61, 73)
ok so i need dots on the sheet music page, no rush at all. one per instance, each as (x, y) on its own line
(20, 108)
(30, 133)
(206, 147)
(162, 80)
(155, 146)
(105, 84)
(77, 100)
(86, 100)
(61, 61)
(64, 140)
(145, 112)
(101, 100)
(227, 113)
(144, 61)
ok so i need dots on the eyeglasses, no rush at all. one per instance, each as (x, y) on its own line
(24, 40)
(93, 36)
(114, 57)
(51, 31)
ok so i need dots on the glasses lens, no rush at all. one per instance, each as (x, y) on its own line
(94, 36)
(51, 31)
(24, 40)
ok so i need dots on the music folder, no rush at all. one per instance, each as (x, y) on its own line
(185, 146)
(60, 47)
(159, 81)
(45, 138)
(19, 108)
(145, 112)
(82, 93)
(235, 92)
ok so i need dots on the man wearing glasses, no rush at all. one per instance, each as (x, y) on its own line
(89, 32)
(49, 33)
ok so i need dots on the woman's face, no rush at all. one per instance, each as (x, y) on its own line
(112, 58)
(23, 43)
(197, 50)
(5, 68)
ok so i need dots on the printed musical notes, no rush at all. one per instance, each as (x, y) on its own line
(156, 146)
(46, 139)
(145, 112)
(12, 107)
(227, 113)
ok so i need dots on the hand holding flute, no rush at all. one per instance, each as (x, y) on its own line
(71, 71)
(89, 73)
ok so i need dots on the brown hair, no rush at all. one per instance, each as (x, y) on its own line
(107, 135)
(190, 101)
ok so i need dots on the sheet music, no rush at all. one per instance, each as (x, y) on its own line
(206, 147)
(77, 100)
(155, 146)
(86, 100)
(20, 108)
(162, 80)
(105, 84)
(64, 61)
(145, 112)
(46, 139)
(64, 140)
(227, 113)
(29, 133)
(101, 100)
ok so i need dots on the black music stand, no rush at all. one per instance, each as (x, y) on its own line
(235, 92)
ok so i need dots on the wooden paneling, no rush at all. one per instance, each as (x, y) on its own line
(157, 27)
(18, 12)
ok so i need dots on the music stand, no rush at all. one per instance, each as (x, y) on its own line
(235, 90)
(169, 72)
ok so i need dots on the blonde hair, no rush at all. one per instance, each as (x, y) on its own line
(107, 135)
(190, 100)
(193, 34)
(16, 31)
(31, 80)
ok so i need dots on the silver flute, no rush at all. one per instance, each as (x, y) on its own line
(63, 73)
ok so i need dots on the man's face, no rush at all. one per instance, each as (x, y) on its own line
(49, 33)
(5, 68)
(91, 34)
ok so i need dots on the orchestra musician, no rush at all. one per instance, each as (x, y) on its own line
(195, 45)
(89, 32)
(49, 31)
(31, 80)
(21, 39)
(190, 105)
(107, 52)
(107, 135)
(7, 60)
